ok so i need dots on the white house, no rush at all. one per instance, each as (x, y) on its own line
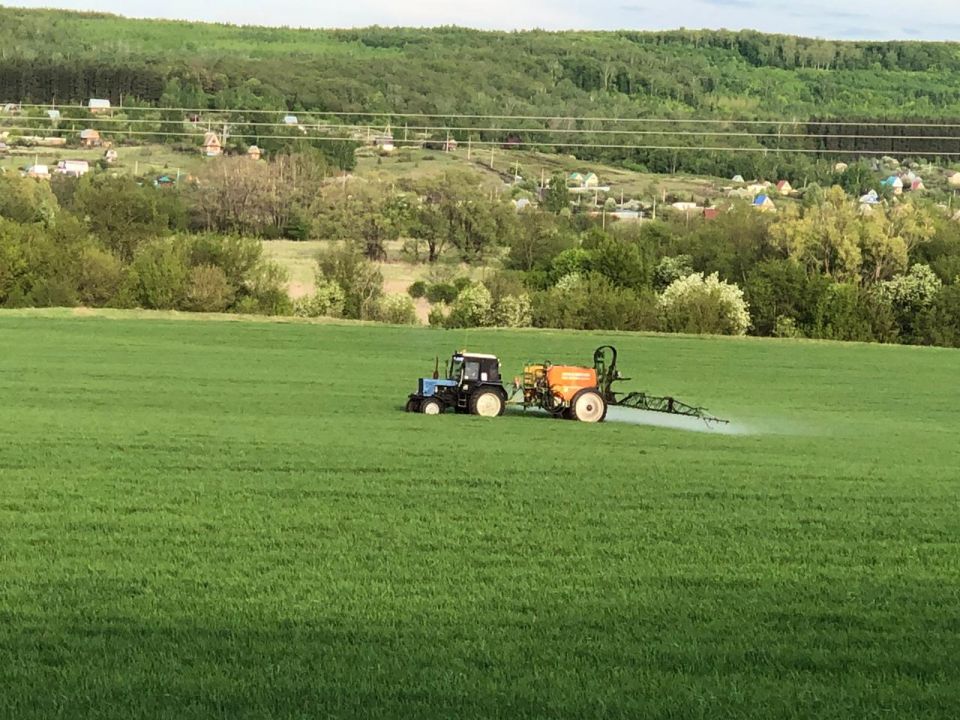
(97, 105)
(73, 168)
(38, 171)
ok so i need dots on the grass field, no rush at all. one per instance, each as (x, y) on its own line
(237, 520)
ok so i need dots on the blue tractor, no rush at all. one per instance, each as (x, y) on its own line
(472, 385)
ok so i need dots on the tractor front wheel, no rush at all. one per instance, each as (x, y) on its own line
(486, 403)
(430, 406)
(588, 406)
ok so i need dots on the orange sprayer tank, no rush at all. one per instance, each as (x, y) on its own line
(566, 380)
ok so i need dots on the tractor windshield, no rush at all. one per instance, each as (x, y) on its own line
(463, 369)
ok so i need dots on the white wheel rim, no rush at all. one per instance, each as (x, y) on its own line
(431, 408)
(488, 405)
(589, 408)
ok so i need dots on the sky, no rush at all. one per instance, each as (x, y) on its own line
(835, 19)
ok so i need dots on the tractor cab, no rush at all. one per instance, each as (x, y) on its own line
(472, 385)
(474, 368)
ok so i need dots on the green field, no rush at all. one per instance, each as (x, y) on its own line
(237, 520)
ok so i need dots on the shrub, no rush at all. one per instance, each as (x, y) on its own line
(100, 276)
(462, 283)
(570, 261)
(910, 295)
(442, 293)
(358, 277)
(671, 269)
(472, 308)
(417, 289)
(513, 311)
(161, 275)
(397, 310)
(696, 304)
(326, 301)
(207, 290)
(940, 323)
(786, 327)
(268, 288)
(847, 312)
(438, 315)
(594, 303)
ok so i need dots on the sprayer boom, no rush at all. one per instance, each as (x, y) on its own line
(605, 365)
(651, 403)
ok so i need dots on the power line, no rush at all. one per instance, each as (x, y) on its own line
(99, 122)
(541, 118)
(534, 144)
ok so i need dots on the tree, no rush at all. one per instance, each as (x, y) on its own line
(698, 304)
(825, 237)
(358, 278)
(557, 196)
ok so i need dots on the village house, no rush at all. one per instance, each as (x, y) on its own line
(384, 142)
(254, 153)
(894, 183)
(90, 138)
(40, 172)
(763, 203)
(98, 106)
(290, 120)
(953, 180)
(583, 180)
(110, 157)
(53, 115)
(73, 168)
(784, 187)
(211, 145)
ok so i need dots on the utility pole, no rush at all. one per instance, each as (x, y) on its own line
(491, 156)
(469, 140)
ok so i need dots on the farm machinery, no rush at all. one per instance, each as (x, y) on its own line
(473, 385)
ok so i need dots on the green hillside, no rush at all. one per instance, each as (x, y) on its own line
(213, 519)
(70, 57)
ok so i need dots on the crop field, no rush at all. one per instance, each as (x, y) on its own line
(210, 519)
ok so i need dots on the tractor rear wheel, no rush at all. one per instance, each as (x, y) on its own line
(588, 406)
(413, 405)
(430, 406)
(486, 403)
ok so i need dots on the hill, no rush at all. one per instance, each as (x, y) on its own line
(69, 57)
(212, 519)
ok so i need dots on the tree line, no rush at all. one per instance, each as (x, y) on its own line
(821, 268)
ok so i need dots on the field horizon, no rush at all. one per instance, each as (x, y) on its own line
(236, 519)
